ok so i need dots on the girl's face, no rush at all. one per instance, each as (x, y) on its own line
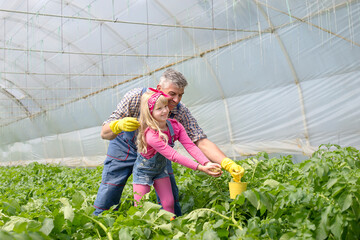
(160, 112)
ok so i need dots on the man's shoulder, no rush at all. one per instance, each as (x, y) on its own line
(182, 110)
(134, 93)
(181, 114)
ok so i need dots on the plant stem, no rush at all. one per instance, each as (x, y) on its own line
(254, 170)
(223, 216)
(102, 226)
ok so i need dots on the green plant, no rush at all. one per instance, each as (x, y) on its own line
(315, 199)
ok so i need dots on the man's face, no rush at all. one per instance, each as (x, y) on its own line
(174, 92)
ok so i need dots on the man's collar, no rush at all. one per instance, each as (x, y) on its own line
(175, 110)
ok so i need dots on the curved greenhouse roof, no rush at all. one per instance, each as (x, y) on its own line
(274, 76)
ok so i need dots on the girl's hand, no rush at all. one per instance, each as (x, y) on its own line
(212, 169)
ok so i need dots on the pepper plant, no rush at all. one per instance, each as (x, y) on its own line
(318, 198)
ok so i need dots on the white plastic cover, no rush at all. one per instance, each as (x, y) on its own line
(264, 75)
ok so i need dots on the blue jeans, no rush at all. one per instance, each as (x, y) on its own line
(118, 167)
(146, 171)
(114, 177)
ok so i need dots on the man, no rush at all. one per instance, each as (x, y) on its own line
(122, 152)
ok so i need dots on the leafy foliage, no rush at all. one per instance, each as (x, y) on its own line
(316, 199)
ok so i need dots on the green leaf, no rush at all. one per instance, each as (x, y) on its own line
(179, 235)
(337, 226)
(265, 201)
(323, 228)
(210, 234)
(222, 233)
(11, 210)
(150, 207)
(165, 228)
(347, 202)
(68, 213)
(252, 210)
(124, 234)
(77, 199)
(109, 221)
(196, 214)
(262, 210)
(36, 236)
(227, 206)
(218, 223)
(239, 200)
(67, 209)
(15, 221)
(6, 236)
(88, 210)
(331, 183)
(271, 183)
(20, 226)
(287, 236)
(33, 226)
(47, 226)
(338, 190)
(320, 171)
(147, 232)
(251, 196)
(58, 222)
(15, 204)
(164, 215)
(356, 206)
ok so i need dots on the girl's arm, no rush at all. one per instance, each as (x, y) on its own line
(168, 152)
(190, 147)
(152, 139)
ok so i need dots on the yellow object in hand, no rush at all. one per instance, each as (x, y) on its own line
(236, 171)
(127, 124)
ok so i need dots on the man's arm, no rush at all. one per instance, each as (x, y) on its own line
(197, 135)
(214, 154)
(106, 132)
(211, 151)
(128, 107)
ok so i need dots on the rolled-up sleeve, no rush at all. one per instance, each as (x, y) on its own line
(129, 106)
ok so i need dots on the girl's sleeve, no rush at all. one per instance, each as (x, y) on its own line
(168, 152)
(190, 147)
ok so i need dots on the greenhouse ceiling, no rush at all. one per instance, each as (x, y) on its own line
(264, 75)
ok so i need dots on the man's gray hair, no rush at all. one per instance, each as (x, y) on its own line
(173, 76)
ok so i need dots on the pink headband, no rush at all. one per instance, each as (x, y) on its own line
(152, 100)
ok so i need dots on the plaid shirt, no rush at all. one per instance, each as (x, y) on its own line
(130, 107)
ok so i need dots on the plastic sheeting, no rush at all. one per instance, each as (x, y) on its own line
(275, 76)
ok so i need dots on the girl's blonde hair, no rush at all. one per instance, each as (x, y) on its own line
(147, 120)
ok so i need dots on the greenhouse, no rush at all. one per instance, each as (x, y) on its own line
(273, 84)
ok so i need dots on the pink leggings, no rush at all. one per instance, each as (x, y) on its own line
(163, 189)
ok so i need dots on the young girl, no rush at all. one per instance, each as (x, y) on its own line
(156, 133)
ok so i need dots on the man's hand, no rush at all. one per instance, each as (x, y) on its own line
(127, 124)
(236, 171)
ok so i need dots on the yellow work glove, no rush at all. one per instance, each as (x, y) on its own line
(236, 171)
(127, 124)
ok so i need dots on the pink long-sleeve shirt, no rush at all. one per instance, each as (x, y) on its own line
(155, 144)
